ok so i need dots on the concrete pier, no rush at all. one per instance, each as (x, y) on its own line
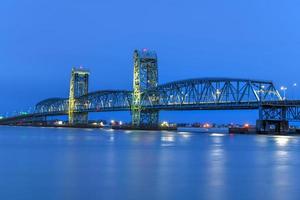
(272, 126)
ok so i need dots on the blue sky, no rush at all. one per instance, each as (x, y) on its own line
(40, 41)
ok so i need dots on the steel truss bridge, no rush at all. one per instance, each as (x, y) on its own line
(148, 98)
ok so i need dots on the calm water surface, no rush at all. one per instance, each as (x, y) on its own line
(48, 163)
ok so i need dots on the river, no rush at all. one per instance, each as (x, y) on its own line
(88, 164)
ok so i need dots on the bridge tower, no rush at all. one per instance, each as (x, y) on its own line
(78, 86)
(145, 77)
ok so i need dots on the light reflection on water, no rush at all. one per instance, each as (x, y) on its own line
(111, 164)
(216, 162)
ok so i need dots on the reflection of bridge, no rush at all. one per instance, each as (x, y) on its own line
(148, 98)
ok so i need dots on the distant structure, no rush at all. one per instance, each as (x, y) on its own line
(145, 77)
(79, 86)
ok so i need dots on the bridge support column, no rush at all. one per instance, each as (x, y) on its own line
(272, 119)
(149, 118)
(78, 87)
(272, 126)
(145, 77)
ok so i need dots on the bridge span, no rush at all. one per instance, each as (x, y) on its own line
(148, 98)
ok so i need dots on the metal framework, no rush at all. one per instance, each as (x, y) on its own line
(52, 105)
(99, 101)
(192, 94)
(105, 100)
(218, 93)
(280, 111)
(148, 98)
(78, 87)
(145, 77)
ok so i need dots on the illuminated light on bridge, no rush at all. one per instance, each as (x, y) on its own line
(284, 89)
(148, 98)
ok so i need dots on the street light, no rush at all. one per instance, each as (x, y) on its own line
(283, 88)
(294, 90)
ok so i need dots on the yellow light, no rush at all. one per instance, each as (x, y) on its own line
(165, 124)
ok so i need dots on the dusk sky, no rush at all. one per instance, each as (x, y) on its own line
(40, 41)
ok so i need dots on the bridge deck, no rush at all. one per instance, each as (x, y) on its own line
(173, 107)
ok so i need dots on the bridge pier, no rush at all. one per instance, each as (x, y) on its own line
(149, 118)
(272, 126)
(79, 118)
(272, 119)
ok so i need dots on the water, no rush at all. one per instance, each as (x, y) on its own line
(49, 163)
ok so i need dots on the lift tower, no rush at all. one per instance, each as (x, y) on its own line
(79, 85)
(145, 77)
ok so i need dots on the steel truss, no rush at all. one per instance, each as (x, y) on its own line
(195, 94)
(216, 91)
(99, 101)
(145, 77)
(106, 100)
(283, 111)
(52, 105)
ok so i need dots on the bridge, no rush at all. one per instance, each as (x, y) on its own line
(148, 98)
